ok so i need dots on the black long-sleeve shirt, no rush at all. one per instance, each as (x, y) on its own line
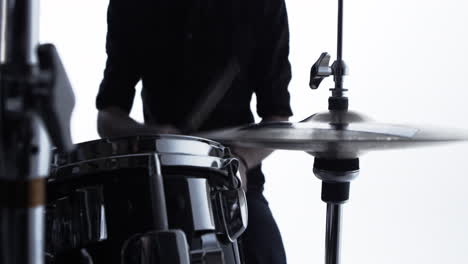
(178, 47)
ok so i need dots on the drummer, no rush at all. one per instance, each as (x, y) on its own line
(177, 48)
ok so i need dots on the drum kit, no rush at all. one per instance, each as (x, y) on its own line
(153, 198)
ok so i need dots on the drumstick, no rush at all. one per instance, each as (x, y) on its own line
(211, 97)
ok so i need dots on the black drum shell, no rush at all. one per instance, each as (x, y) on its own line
(122, 177)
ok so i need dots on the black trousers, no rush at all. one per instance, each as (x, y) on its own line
(261, 242)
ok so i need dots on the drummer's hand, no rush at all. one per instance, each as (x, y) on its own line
(114, 122)
(251, 157)
(254, 156)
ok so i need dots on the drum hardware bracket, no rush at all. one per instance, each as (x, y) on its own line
(162, 246)
(321, 70)
(211, 252)
(44, 91)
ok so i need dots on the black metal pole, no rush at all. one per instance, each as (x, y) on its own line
(338, 100)
(339, 67)
(340, 31)
(333, 232)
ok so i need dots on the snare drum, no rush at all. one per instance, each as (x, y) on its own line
(109, 194)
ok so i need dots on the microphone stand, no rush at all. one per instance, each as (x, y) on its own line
(36, 102)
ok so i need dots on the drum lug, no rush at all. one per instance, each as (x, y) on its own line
(211, 252)
(231, 165)
(76, 220)
(167, 246)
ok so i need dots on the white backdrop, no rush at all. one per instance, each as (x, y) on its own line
(407, 63)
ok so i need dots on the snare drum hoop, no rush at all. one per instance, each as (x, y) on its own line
(138, 145)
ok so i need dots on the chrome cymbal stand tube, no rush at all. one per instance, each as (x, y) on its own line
(336, 176)
(36, 102)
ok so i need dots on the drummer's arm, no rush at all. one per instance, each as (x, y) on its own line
(124, 59)
(117, 90)
(114, 122)
(271, 73)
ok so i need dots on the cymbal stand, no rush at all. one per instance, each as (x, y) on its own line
(36, 101)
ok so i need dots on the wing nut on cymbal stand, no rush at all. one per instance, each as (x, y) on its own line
(321, 70)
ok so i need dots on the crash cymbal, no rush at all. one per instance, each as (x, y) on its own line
(334, 134)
